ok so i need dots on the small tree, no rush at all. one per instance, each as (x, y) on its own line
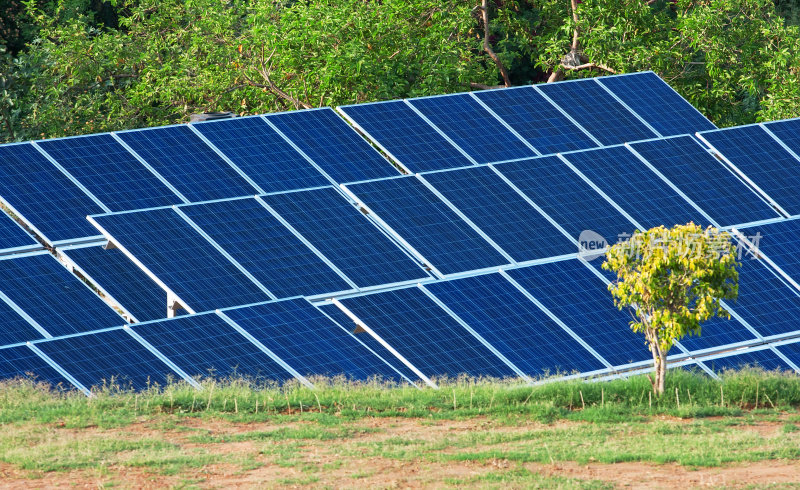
(672, 280)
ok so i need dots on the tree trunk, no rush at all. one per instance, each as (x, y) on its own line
(662, 371)
(659, 362)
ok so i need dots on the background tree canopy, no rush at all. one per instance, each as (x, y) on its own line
(86, 66)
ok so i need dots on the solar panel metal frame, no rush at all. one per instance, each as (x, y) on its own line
(34, 246)
(340, 189)
(470, 96)
(63, 254)
(32, 226)
(196, 125)
(267, 119)
(405, 244)
(575, 121)
(600, 81)
(743, 175)
(41, 329)
(757, 348)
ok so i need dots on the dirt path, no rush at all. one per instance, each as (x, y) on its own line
(280, 455)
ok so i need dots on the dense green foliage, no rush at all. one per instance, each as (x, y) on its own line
(672, 280)
(82, 66)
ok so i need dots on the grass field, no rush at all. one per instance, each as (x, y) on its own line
(743, 431)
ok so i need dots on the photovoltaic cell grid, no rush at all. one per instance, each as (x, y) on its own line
(425, 334)
(346, 237)
(308, 341)
(765, 359)
(110, 172)
(365, 338)
(58, 301)
(13, 235)
(332, 145)
(588, 103)
(566, 198)
(765, 301)
(535, 119)
(14, 328)
(112, 271)
(464, 120)
(428, 224)
(187, 163)
(266, 248)
(261, 153)
(657, 103)
(778, 241)
(43, 196)
(788, 132)
(514, 325)
(705, 180)
(634, 187)
(107, 359)
(580, 299)
(405, 135)
(501, 212)
(20, 362)
(206, 345)
(763, 160)
(179, 256)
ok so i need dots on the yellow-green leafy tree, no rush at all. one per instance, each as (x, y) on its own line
(672, 280)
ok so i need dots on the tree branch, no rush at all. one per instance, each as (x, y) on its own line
(589, 65)
(484, 86)
(486, 47)
(265, 72)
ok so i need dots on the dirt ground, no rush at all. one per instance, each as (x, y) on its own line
(343, 463)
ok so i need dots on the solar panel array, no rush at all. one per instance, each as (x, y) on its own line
(287, 246)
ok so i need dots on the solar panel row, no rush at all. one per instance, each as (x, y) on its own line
(270, 342)
(232, 252)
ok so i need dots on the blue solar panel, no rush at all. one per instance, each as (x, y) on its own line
(582, 301)
(635, 188)
(764, 358)
(206, 345)
(14, 328)
(343, 235)
(333, 145)
(597, 111)
(342, 319)
(563, 195)
(309, 341)
(425, 334)
(426, 222)
(787, 131)
(501, 213)
(53, 297)
(778, 241)
(765, 301)
(110, 172)
(111, 358)
(22, 362)
(717, 332)
(13, 235)
(112, 271)
(261, 153)
(791, 351)
(406, 136)
(535, 119)
(705, 180)
(763, 160)
(657, 103)
(266, 248)
(189, 164)
(514, 325)
(43, 196)
(180, 257)
(463, 119)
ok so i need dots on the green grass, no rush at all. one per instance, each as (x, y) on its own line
(339, 428)
(687, 395)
